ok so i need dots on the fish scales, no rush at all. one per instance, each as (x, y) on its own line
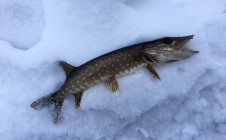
(100, 69)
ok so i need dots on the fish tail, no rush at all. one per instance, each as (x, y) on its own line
(54, 101)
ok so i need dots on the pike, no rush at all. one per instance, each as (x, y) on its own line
(113, 64)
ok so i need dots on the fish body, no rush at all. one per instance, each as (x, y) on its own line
(104, 67)
(113, 64)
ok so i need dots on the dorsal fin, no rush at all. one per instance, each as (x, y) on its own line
(67, 67)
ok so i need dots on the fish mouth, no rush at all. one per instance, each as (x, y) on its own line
(180, 45)
(181, 41)
(175, 52)
(185, 53)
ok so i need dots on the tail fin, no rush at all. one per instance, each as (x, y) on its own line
(54, 101)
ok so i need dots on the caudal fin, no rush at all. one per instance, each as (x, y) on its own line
(53, 101)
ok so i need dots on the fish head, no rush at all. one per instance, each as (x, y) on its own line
(168, 49)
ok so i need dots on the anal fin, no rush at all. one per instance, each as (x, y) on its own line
(112, 84)
(152, 71)
(78, 98)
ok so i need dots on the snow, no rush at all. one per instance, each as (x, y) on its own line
(20, 19)
(188, 103)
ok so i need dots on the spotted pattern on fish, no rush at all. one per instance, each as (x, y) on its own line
(111, 65)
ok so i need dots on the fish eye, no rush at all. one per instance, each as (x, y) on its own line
(168, 41)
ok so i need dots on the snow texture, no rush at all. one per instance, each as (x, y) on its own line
(188, 103)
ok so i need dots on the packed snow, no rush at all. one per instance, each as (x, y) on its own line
(188, 103)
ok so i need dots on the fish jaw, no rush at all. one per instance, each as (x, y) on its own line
(168, 49)
(183, 53)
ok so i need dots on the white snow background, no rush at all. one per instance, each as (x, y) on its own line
(188, 103)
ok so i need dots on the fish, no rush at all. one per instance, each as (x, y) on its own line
(107, 67)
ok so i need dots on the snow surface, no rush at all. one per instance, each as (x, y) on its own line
(188, 103)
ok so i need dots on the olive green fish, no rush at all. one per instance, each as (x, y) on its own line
(106, 68)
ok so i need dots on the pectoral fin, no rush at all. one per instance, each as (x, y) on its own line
(112, 84)
(67, 67)
(152, 70)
